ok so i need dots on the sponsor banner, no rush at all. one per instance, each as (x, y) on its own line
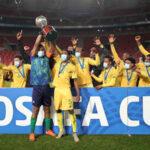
(107, 111)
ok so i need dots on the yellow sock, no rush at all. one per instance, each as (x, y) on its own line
(60, 121)
(73, 122)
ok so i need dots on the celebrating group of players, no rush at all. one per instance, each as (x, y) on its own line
(50, 66)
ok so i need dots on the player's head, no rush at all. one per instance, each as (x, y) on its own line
(129, 63)
(78, 52)
(41, 51)
(143, 58)
(108, 61)
(65, 55)
(125, 55)
(93, 51)
(70, 50)
(18, 60)
(147, 60)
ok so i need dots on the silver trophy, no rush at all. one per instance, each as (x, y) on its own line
(48, 31)
(41, 21)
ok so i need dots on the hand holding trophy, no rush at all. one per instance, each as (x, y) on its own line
(48, 31)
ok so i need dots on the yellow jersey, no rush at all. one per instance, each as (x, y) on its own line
(63, 73)
(53, 71)
(144, 80)
(107, 77)
(143, 50)
(116, 59)
(1, 76)
(19, 75)
(128, 77)
(115, 55)
(83, 69)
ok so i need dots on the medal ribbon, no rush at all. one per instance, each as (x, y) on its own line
(22, 73)
(129, 78)
(61, 69)
(81, 65)
(106, 73)
(148, 71)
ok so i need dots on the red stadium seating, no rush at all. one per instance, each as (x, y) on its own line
(125, 43)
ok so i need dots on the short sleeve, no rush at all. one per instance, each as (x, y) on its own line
(8, 68)
(28, 66)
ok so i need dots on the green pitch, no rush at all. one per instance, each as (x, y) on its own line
(87, 142)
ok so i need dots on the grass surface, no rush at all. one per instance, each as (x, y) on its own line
(87, 142)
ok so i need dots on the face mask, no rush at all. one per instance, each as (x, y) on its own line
(77, 54)
(70, 52)
(40, 53)
(105, 65)
(64, 57)
(17, 63)
(147, 64)
(127, 66)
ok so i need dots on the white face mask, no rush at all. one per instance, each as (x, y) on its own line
(147, 64)
(77, 54)
(105, 65)
(40, 53)
(127, 66)
(64, 57)
(17, 63)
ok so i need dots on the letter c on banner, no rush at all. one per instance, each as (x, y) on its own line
(124, 111)
(146, 111)
(9, 111)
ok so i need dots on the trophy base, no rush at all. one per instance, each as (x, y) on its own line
(51, 36)
(49, 33)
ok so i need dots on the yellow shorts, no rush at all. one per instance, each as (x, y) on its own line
(86, 85)
(63, 99)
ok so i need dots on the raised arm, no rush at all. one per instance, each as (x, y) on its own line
(103, 49)
(141, 48)
(74, 41)
(112, 39)
(53, 49)
(47, 46)
(21, 48)
(95, 62)
(36, 45)
(97, 42)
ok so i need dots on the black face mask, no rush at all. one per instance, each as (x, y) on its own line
(71, 53)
